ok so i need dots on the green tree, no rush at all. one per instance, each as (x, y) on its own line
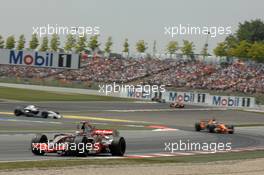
(221, 49)
(141, 46)
(126, 46)
(245, 42)
(54, 42)
(172, 47)
(21, 42)
(81, 44)
(256, 52)
(231, 42)
(10, 42)
(2, 42)
(242, 49)
(45, 44)
(34, 43)
(251, 31)
(93, 43)
(227, 48)
(188, 48)
(70, 43)
(108, 45)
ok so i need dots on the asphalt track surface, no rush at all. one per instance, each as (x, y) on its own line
(15, 145)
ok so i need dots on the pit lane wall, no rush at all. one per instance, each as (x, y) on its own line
(196, 98)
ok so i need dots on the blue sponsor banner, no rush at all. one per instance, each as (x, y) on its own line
(140, 95)
(232, 101)
(39, 59)
(197, 98)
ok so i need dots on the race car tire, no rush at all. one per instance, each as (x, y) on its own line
(18, 112)
(44, 114)
(118, 146)
(232, 129)
(39, 138)
(197, 127)
(211, 128)
(80, 143)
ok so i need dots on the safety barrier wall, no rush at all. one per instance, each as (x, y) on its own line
(195, 98)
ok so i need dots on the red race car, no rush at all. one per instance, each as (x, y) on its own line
(86, 141)
(177, 105)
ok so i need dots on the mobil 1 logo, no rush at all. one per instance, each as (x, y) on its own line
(65, 60)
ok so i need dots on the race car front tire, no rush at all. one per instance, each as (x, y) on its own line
(39, 138)
(118, 146)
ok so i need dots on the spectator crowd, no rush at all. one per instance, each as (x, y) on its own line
(246, 77)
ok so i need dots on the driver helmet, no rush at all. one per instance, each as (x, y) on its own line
(86, 127)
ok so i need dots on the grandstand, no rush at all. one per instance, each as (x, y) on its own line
(244, 77)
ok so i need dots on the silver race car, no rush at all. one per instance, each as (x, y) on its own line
(33, 111)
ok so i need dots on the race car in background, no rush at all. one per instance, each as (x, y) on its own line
(213, 126)
(177, 104)
(33, 111)
(87, 140)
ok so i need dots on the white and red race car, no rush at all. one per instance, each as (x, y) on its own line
(87, 141)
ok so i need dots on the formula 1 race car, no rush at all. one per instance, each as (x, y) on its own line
(87, 141)
(33, 111)
(177, 105)
(213, 126)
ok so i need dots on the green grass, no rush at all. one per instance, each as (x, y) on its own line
(35, 95)
(48, 82)
(133, 161)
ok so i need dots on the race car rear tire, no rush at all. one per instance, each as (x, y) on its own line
(18, 112)
(39, 138)
(197, 127)
(80, 143)
(118, 146)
